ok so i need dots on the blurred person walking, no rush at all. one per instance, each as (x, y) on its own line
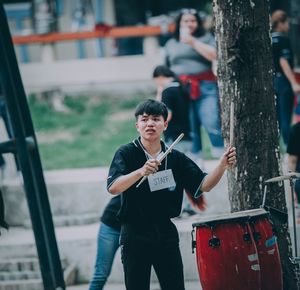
(176, 98)
(190, 54)
(172, 93)
(285, 82)
(293, 151)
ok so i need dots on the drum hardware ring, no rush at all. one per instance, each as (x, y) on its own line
(194, 243)
(274, 230)
(247, 237)
(256, 236)
(214, 242)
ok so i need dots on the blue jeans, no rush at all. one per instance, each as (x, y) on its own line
(285, 103)
(297, 109)
(182, 146)
(205, 112)
(297, 190)
(108, 244)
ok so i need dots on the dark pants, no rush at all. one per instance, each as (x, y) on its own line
(166, 259)
(297, 189)
(285, 103)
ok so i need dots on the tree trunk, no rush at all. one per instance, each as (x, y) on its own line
(245, 77)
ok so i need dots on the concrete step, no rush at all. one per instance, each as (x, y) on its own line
(31, 280)
(23, 264)
(78, 245)
(17, 275)
(76, 196)
(32, 284)
(20, 264)
(70, 220)
(71, 193)
(189, 285)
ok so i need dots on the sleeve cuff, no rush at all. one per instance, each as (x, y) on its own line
(112, 181)
(198, 191)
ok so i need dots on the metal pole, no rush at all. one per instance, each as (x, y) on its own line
(30, 164)
(294, 217)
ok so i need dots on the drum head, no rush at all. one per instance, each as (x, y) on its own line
(239, 216)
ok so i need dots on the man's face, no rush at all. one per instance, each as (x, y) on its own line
(151, 127)
(284, 26)
(160, 81)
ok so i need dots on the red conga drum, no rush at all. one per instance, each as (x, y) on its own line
(268, 254)
(226, 252)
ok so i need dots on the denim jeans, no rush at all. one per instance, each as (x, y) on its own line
(183, 146)
(285, 103)
(297, 109)
(108, 243)
(297, 190)
(205, 112)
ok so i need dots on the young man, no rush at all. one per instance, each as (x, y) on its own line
(148, 236)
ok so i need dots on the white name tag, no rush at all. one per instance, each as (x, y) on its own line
(161, 180)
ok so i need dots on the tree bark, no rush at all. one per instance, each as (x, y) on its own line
(245, 77)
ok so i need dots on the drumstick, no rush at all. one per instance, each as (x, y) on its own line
(163, 156)
(231, 124)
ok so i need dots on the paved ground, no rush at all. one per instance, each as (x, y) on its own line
(194, 285)
(217, 202)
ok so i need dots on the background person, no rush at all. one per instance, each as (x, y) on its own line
(285, 81)
(190, 54)
(148, 236)
(293, 150)
(107, 243)
(176, 98)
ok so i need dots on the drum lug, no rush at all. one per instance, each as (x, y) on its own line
(274, 229)
(256, 236)
(194, 244)
(247, 237)
(214, 242)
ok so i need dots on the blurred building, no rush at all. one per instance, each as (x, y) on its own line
(92, 60)
(45, 16)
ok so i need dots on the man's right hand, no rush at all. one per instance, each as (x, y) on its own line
(296, 88)
(150, 167)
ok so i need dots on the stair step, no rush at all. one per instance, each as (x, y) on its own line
(71, 220)
(17, 275)
(20, 264)
(32, 284)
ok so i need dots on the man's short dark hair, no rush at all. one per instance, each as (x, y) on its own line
(163, 71)
(151, 107)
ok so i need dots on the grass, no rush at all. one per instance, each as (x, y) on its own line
(89, 134)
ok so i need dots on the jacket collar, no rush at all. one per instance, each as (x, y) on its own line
(138, 144)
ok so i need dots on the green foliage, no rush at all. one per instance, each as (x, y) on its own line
(88, 135)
